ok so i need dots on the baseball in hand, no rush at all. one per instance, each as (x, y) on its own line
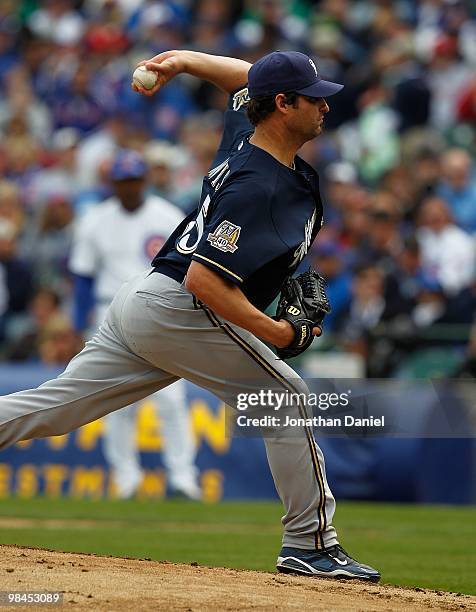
(144, 78)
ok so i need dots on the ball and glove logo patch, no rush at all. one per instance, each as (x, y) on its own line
(304, 304)
(241, 98)
(314, 66)
(225, 237)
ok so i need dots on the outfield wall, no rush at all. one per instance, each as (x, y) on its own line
(411, 469)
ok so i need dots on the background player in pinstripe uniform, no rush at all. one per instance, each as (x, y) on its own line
(113, 242)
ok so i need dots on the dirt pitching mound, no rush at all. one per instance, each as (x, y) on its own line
(90, 582)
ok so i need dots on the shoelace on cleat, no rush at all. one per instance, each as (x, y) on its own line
(334, 550)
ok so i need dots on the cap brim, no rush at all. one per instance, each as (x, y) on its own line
(321, 89)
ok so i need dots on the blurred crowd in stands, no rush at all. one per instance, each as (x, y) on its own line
(396, 160)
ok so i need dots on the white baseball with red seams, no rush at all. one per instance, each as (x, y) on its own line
(144, 78)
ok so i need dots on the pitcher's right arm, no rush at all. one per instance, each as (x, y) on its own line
(227, 73)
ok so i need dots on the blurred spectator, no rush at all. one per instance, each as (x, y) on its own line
(44, 305)
(468, 367)
(43, 61)
(17, 277)
(447, 251)
(458, 188)
(366, 310)
(163, 159)
(466, 110)
(377, 321)
(20, 107)
(21, 161)
(266, 25)
(58, 343)
(430, 302)
(355, 221)
(404, 282)
(106, 45)
(447, 77)
(210, 26)
(120, 9)
(425, 172)
(411, 94)
(61, 177)
(9, 28)
(100, 147)
(434, 306)
(157, 25)
(400, 184)
(76, 103)
(384, 236)
(57, 20)
(378, 125)
(10, 205)
(341, 180)
(201, 136)
(162, 115)
(48, 241)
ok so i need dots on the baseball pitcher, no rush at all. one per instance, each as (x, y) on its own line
(199, 313)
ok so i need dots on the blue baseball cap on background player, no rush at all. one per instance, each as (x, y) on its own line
(286, 71)
(128, 164)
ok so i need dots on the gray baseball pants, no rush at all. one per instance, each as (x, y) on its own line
(154, 334)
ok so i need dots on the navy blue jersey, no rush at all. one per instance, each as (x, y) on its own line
(257, 217)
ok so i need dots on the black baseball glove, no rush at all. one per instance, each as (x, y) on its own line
(304, 304)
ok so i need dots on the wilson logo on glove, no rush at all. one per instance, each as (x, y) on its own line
(303, 334)
(294, 311)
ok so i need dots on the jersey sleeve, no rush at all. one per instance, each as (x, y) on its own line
(239, 236)
(236, 122)
(84, 257)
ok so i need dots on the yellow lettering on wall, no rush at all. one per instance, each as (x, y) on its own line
(209, 426)
(153, 485)
(87, 436)
(148, 430)
(5, 479)
(87, 482)
(57, 442)
(27, 480)
(54, 474)
(212, 486)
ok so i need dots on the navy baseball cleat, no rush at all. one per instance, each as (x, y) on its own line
(332, 562)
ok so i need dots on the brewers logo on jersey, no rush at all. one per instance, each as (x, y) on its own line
(225, 237)
(241, 98)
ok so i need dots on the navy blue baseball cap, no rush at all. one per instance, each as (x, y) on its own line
(286, 71)
(128, 164)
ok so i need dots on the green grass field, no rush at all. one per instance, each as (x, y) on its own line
(426, 546)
